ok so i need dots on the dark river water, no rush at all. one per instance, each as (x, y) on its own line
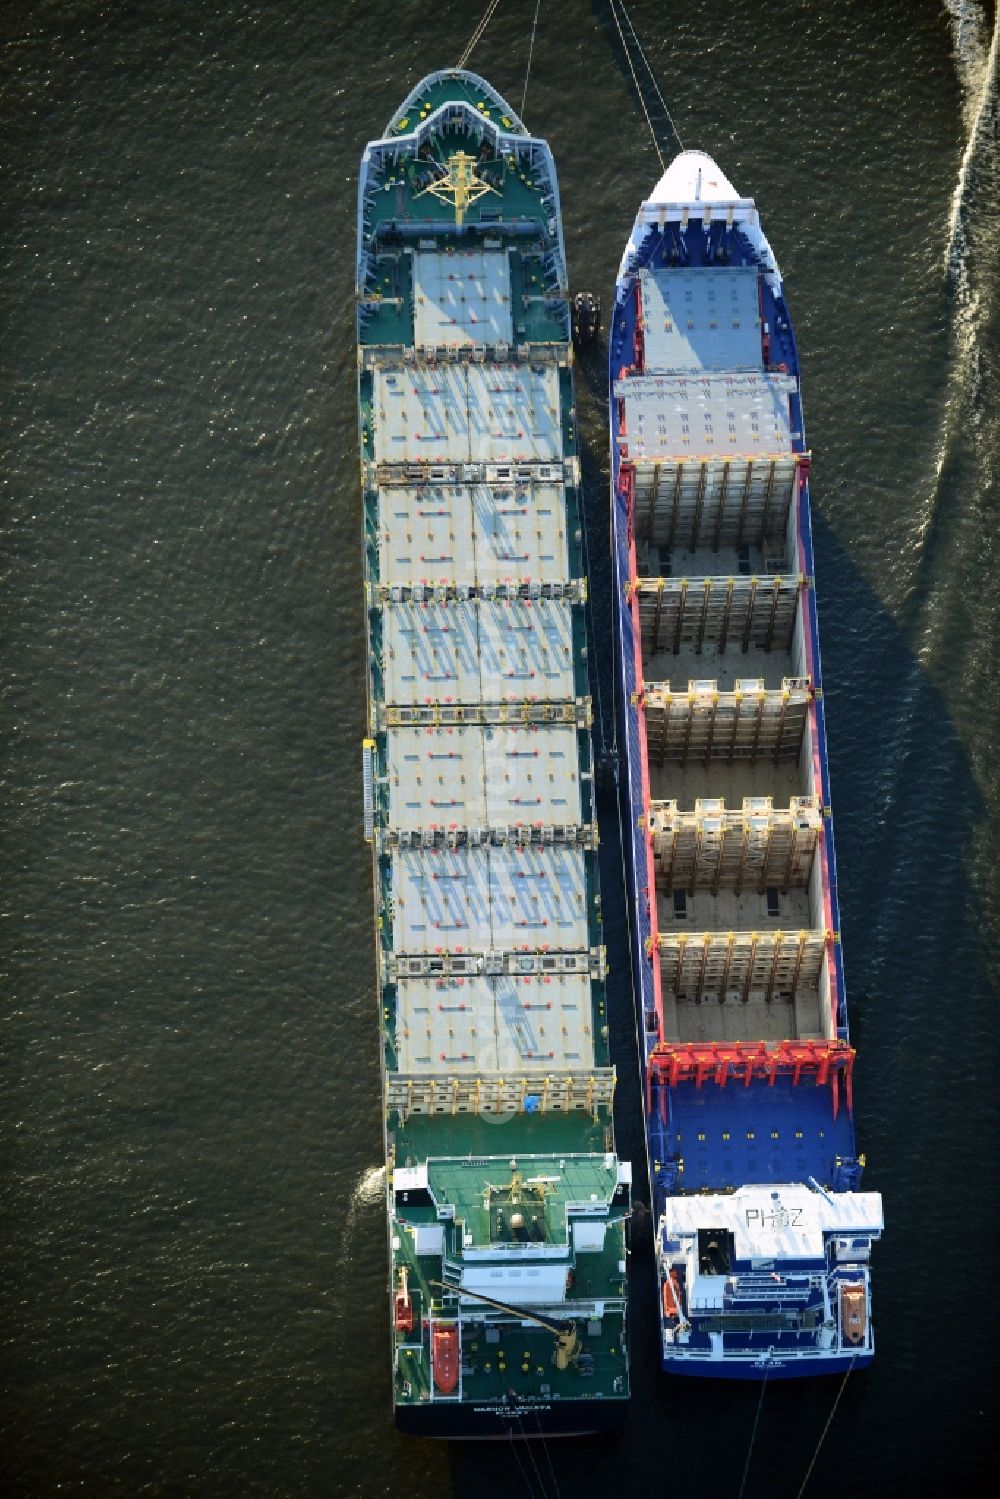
(193, 1266)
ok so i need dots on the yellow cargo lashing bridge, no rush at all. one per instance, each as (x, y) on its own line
(459, 184)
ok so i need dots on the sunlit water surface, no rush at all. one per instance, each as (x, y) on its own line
(194, 1262)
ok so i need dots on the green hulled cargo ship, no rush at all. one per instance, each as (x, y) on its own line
(507, 1205)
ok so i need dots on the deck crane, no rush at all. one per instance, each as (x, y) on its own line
(568, 1343)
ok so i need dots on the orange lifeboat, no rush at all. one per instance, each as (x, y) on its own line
(672, 1296)
(444, 1357)
(853, 1314)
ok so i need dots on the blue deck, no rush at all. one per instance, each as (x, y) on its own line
(728, 1136)
(720, 247)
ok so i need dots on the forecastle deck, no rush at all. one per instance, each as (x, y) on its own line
(506, 1202)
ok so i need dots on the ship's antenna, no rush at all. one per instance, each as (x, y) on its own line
(477, 34)
(631, 67)
(531, 48)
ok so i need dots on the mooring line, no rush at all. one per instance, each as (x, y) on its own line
(477, 34)
(753, 1434)
(826, 1428)
(628, 59)
(531, 48)
(652, 75)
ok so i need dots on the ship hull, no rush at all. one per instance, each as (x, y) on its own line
(506, 1203)
(501, 1423)
(755, 1370)
(727, 834)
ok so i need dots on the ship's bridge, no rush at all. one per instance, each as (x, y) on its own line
(765, 1226)
(522, 1230)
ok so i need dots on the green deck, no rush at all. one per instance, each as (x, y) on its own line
(446, 91)
(538, 318)
(426, 1135)
(520, 1360)
(485, 1197)
(403, 202)
(510, 1354)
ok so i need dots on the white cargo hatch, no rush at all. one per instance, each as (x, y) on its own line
(477, 650)
(453, 413)
(698, 416)
(465, 1026)
(476, 776)
(493, 898)
(475, 534)
(701, 318)
(461, 298)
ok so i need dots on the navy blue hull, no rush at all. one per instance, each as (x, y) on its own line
(766, 1369)
(703, 365)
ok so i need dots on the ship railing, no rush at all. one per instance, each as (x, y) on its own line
(744, 1062)
(412, 475)
(493, 964)
(761, 1358)
(573, 590)
(801, 1280)
(848, 1272)
(435, 230)
(539, 1250)
(441, 714)
(659, 213)
(505, 835)
(475, 1311)
(785, 1294)
(491, 1093)
(395, 356)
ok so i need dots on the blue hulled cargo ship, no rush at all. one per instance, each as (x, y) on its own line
(762, 1236)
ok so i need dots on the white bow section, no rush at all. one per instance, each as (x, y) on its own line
(693, 177)
(695, 190)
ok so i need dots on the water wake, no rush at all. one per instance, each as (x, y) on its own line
(977, 74)
(970, 275)
(368, 1192)
(947, 614)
